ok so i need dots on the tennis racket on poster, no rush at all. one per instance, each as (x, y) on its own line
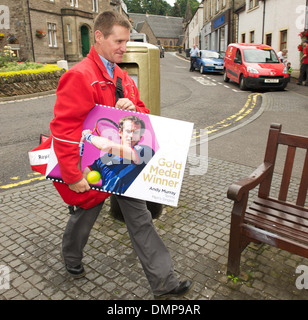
(136, 155)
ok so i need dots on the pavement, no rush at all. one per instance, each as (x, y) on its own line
(33, 218)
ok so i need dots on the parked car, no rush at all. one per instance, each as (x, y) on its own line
(209, 61)
(161, 51)
(254, 66)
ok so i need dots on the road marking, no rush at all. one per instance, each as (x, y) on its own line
(233, 119)
(223, 124)
(12, 185)
(28, 99)
(204, 82)
(16, 184)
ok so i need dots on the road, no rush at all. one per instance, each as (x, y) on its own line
(204, 100)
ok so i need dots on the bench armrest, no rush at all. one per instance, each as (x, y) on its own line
(237, 189)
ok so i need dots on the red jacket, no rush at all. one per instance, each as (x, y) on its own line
(79, 90)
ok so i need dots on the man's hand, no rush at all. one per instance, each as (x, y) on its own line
(80, 186)
(125, 104)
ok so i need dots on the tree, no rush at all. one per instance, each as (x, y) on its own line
(194, 4)
(161, 7)
(176, 10)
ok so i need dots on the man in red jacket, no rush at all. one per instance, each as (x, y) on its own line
(90, 82)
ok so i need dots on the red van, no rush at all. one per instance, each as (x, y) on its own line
(254, 66)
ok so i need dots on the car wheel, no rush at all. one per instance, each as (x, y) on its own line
(243, 83)
(201, 69)
(226, 79)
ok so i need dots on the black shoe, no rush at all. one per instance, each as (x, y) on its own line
(76, 272)
(298, 83)
(183, 288)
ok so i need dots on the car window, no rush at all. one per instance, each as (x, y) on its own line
(260, 56)
(210, 54)
(238, 56)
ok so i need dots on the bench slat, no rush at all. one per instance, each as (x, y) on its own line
(283, 206)
(285, 228)
(276, 241)
(279, 215)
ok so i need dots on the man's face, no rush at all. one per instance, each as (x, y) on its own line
(113, 47)
(131, 133)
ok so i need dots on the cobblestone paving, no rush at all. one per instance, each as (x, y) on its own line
(33, 218)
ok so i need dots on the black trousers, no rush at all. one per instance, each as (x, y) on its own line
(303, 76)
(192, 61)
(148, 245)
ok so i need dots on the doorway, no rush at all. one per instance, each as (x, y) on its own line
(85, 44)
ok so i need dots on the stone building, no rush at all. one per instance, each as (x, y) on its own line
(220, 23)
(50, 30)
(164, 30)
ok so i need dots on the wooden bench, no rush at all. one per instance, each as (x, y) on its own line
(275, 221)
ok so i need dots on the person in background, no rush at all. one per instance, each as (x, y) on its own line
(194, 52)
(290, 69)
(303, 76)
(282, 55)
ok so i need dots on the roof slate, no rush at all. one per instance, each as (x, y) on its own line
(162, 26)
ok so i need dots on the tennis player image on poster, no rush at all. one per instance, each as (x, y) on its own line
(132, 154)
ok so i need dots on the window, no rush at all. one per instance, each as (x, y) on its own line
(223, 3)
(243, 37)
(283, 39)
(222, 39)
(52, 35)
(69, 34)
(252, 4)
(268, 39)
(95, 5)
(217, 5)
(260, 56)
(74, 3)
(252, 37)
(238, 56)
(211, 8)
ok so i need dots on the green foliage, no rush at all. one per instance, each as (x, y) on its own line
(32, 68)
(234, 278)
(161, 7)
(15, 66)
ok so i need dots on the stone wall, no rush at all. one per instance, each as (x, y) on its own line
(29, 83)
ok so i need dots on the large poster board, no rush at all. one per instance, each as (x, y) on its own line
(147, 158)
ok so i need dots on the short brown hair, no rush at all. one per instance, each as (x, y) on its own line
(135, 120)
(105, 21)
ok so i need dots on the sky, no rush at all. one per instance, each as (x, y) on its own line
(171, 2)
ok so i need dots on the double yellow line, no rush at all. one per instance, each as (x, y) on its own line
(19, 183)
(233, 119)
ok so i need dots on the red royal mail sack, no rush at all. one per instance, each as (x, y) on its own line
(39, 156)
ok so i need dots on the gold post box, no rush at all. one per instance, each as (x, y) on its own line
(142, 62)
